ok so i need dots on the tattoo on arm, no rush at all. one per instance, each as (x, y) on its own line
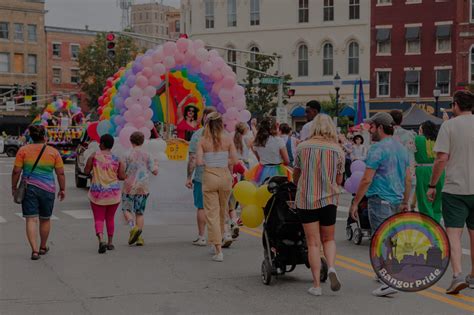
(191, 165)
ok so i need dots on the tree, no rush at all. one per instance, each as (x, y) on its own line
(95, 67)
(262, 98)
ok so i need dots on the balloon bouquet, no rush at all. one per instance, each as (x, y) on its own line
(253, 200)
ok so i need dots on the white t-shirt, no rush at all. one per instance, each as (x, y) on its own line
(306, 130)
(456, 138)
(270, 153)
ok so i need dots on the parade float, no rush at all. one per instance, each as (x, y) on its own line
(163, 93)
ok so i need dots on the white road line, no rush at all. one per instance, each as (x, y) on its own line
(53, 217)
(343, 209)
(2, 220)
(79, 214)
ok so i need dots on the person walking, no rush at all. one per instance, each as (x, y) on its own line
(455, 152)
(271, 154)
(424, 158)
(104, 193)
(319, 170)
(37, 163)
(138, 166)
(290, 142)
(386, 181)
(216, 152)
(358, 150)
(194, 180)
(313, 108)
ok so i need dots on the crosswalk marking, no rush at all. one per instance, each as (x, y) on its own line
(53, 217)
(2, 220)
(79, 214)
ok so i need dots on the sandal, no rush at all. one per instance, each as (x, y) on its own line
(35, 256)
(43, 250)
(102, 248)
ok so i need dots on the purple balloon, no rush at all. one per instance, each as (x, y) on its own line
(124, 90)
(357, 166)
(137, 67)
(131, 81)
(355, 178)
(348, 186)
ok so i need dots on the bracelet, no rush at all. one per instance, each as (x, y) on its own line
(431, 186)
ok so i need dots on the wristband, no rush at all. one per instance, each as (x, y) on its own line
(431, 186)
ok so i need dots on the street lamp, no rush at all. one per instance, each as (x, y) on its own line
(337, 82)
(436, 94)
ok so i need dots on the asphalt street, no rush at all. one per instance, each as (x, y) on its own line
(170, 276)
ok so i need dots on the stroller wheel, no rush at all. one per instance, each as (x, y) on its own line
(349, 233)
(357, 236)
(266, 272)
(324, 270)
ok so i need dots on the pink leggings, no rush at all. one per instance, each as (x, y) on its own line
(104, 213)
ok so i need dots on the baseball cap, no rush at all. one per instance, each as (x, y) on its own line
(382, 118)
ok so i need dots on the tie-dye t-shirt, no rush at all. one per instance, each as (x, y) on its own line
(138, 166)
(43, 175)
(390, 161)
(105, 186)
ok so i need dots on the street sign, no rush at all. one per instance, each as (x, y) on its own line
(282, 114)
(270, 80)
(28, 99)
(255, 80)
(10, 106)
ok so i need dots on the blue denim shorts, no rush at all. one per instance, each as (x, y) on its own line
(134, 203)
(379, 211)
(197, 194)
(37, 202)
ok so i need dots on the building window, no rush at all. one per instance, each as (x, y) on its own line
(177, 26)
(18, 63)
(141, 16)
(4, 62)
(56, 75)
(3, 30)
(443, 80)
(75, 51)
(354, 9)
(384, 1)
(32, 37)
(328, 59)
(232, 58)
(303, 60)
(443, 38)
(32, 64)
(328, 10)
(412, 83)
(353, 58)
(75, 78)
(471, 64)
(412, 36)
(303, 11)
(254, 12)
(253, 57)
(19, 32)
(57, 50)
(472, 11)
(156, 15)
(147, 16)
(231, 13)
(209, 4)
(383, 83)
(383, 41)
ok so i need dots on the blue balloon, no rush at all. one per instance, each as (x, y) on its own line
(104, 127)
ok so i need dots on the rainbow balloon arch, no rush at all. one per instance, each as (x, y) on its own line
(149, 89)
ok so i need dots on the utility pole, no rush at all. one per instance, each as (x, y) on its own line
(282, 115)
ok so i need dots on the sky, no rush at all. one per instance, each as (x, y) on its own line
(102, 15)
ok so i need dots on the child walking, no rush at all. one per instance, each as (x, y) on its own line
(104, 193)
(138, 166)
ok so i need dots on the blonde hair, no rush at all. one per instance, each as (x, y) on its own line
(240, 130)
(214, 129)
(324, 127)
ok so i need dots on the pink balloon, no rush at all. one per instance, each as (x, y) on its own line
(136, 110)
(157, 56)
(145, 101)
(216, 87)
(232, 113)
(147, 61)
(149, 124)
(207, 68)
(239, 103)
(146, 132)
(202, 55)
(182, 44)
(147, 72)
(154, 80)
(179, 58)
(228, 82)
(216, 75)
(198, 44)
(245, 116)
(124, 136)
(227, 71)
(189, 54)
(238, 92)
(139, 121)
(136, 91)
(128, 116)
(142, 82)
(225, 95)
(159, 69)
(149, 91)
(148, 113)
(213, 54)
(230, 125)
(129, 102)
(169, 48)
(169, 62)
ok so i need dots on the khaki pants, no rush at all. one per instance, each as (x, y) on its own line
(216, 187)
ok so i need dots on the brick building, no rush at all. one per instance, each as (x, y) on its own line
(63, 47)
(465, 43)
(412, 52)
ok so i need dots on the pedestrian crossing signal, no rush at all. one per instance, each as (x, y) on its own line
(110, 44)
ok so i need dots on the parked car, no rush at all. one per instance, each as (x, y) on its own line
(10, 146)
(80, 177)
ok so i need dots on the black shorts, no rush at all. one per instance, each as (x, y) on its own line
(326, 216)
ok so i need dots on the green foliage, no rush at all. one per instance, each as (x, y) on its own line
(262, 98)
(329, 106)
(95, 67)
(35, 110)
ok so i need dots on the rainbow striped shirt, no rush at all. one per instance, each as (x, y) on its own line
(320, 161)
(43, 175)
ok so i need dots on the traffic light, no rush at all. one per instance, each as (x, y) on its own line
(33, 88)
(290, 92)
(110, 42)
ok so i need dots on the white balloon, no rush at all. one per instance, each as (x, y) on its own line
(162, 157)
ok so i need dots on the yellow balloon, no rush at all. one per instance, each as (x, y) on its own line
(245, 192)
(263, 195)
(252, 216)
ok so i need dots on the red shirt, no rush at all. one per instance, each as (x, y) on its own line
(185, 130)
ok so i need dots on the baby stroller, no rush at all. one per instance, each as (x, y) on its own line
(283, 238)
(362, 225)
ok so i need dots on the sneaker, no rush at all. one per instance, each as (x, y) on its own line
(102, 248)
(200, 241)
(134, 235)
(384, 290)
(470, 281)
(335, 283)
(315, 291)
(235, 231)
(218, 257)
(140, 241)
(226, 241)
(457, 284)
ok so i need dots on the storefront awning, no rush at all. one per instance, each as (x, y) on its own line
(298, 111)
